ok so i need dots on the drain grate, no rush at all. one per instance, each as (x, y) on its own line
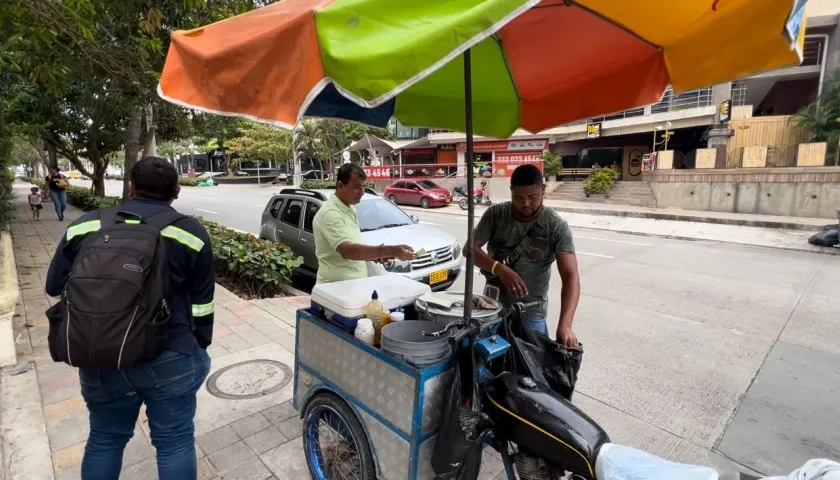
(249, 379)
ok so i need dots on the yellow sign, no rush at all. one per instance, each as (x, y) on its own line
(725, 111)
(593, 130)
(438, 277)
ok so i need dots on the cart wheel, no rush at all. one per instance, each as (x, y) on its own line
(334, 441)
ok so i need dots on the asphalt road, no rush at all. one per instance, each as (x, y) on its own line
(697, 350)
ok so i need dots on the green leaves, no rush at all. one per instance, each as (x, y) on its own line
(600, 181)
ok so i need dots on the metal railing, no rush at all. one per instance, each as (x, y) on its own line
(813, 51)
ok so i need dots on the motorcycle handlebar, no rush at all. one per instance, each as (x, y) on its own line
(472, 328)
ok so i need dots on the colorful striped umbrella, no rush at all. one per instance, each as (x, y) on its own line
(535, 64)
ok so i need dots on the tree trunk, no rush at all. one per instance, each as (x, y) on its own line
(52, 155)
(132, 145)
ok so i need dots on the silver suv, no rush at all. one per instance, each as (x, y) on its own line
(287, 218)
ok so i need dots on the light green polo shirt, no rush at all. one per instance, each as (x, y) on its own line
(334, 224)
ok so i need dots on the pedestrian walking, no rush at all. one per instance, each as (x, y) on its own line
(136, 317)
(57, 183)
(35, 203)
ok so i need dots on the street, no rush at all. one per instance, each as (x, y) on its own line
(695, 350)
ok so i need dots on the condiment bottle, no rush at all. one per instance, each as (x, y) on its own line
(365, 331)
(375, 313)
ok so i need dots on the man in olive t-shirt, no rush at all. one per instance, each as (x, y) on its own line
(524, 238)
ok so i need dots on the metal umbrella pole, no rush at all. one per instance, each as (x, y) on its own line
(468, 283)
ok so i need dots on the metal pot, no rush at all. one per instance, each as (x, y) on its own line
(443, 316)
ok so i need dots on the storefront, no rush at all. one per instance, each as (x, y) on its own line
(499, 158)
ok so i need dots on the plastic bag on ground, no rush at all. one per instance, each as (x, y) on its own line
(816, 469)
(463, 428)
(826, 238)
(618, 462)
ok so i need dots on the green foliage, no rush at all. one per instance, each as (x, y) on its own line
(257, 141)
(326, 184)
(552, 163)
(600, 182)
(248, 265)
(822, 121)
(188, 181)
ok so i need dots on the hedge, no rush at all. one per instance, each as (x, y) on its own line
(326, 184)
(248, 266)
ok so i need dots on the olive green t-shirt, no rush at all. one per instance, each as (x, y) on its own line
(334, 224)
(530, 246)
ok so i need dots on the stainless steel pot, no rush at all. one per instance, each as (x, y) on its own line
(443, 316)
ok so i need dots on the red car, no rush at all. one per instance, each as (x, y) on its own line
(420, 192)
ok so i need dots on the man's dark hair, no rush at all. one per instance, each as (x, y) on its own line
(526, 176)
(154, 178)
(346, 171)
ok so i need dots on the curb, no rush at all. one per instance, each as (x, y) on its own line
(665, 216)
(9, 295)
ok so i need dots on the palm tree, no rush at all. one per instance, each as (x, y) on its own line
(308, 142)
(821, 119)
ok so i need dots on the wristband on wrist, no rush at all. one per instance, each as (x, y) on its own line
(493, 268)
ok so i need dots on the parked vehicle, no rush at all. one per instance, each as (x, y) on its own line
(425, 193)
(314, 175)
(288, 218)
(73, 175)
(480, 194)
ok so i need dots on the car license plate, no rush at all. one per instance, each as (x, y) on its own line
(438, 277)
(448, 200)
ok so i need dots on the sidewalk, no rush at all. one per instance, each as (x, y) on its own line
(247, 435)
(786, 233)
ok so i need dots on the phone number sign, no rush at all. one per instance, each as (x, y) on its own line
(377, 173)
(505, 163)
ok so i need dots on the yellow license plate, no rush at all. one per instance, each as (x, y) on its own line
(438, 277)
(448, 200)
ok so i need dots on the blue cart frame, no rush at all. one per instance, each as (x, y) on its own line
(398, 405)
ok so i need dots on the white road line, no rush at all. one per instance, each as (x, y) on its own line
(207, 211)
(261, 206)
(430, 223)
(208, 198)
(594, 255)
(614, 241)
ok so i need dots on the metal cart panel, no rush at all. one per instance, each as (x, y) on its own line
(392, 451)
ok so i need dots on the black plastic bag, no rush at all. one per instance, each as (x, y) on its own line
(543, 359)
(463, 428)
(826, 238)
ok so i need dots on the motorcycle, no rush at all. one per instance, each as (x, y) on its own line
(539, 434)
(480, 197)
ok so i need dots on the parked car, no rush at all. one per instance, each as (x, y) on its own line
(73, 175)
(314, 175)
(288, 218)
(425, 193)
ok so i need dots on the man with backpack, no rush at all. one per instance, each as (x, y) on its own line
(135, 315)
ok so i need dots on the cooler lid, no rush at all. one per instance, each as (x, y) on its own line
(351, 297)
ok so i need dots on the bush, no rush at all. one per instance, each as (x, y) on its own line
(250, 266)
(326, 184)
(188, 181)
(114, 177)
(600, 182)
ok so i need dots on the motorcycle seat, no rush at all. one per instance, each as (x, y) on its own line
(618, 462)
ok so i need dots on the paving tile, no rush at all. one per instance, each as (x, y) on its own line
(68, 430)
(206, 470)
(217, 439)
(265, 440)
(227, 459)
(291, 428)
(251, 470)
(67, 457)
(280, 412)
(145, 470)
(137, 450)
(64, 408)
(287, 461)
(233, 343)
(250, 425)
(73, 472)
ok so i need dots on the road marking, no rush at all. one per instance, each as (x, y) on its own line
(615, 241)
(594, 255)
(261, 206)
(207, 211)
(430, 223)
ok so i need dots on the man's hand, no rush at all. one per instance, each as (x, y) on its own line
(567, 337)
(511, 280)
(401, 252)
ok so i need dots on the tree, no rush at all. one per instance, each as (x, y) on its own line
(258, 141)
(218, 131)
(307, 142)
(552, 163)
(821, 119)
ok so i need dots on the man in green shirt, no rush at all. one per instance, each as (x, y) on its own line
(338, 240)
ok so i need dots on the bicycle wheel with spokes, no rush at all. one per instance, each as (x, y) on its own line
(334, 441)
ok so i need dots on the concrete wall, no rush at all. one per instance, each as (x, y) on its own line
(814, 192)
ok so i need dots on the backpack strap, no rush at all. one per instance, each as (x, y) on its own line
(164, 219)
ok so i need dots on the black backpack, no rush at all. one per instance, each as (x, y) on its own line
(113, 313)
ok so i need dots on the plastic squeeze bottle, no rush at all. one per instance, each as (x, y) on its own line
(375, 312)
(365, 331)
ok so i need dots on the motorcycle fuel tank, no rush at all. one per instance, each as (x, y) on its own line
(543, 424)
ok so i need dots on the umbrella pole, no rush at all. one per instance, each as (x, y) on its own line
(468, 283)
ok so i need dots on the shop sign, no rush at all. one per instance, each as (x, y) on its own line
(505, 163)
(527, 145)
(447, 147)
(648, 162)
(725, 111)
(485, 146)
(417, 152)
(593, 131)
(377, 173)
(507, 146)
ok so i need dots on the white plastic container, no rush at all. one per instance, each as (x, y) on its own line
(365, 331)
(351, 298)
(397, 316)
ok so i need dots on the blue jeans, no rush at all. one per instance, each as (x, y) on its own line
(537, 325)
(168, 387)
(59, 199)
